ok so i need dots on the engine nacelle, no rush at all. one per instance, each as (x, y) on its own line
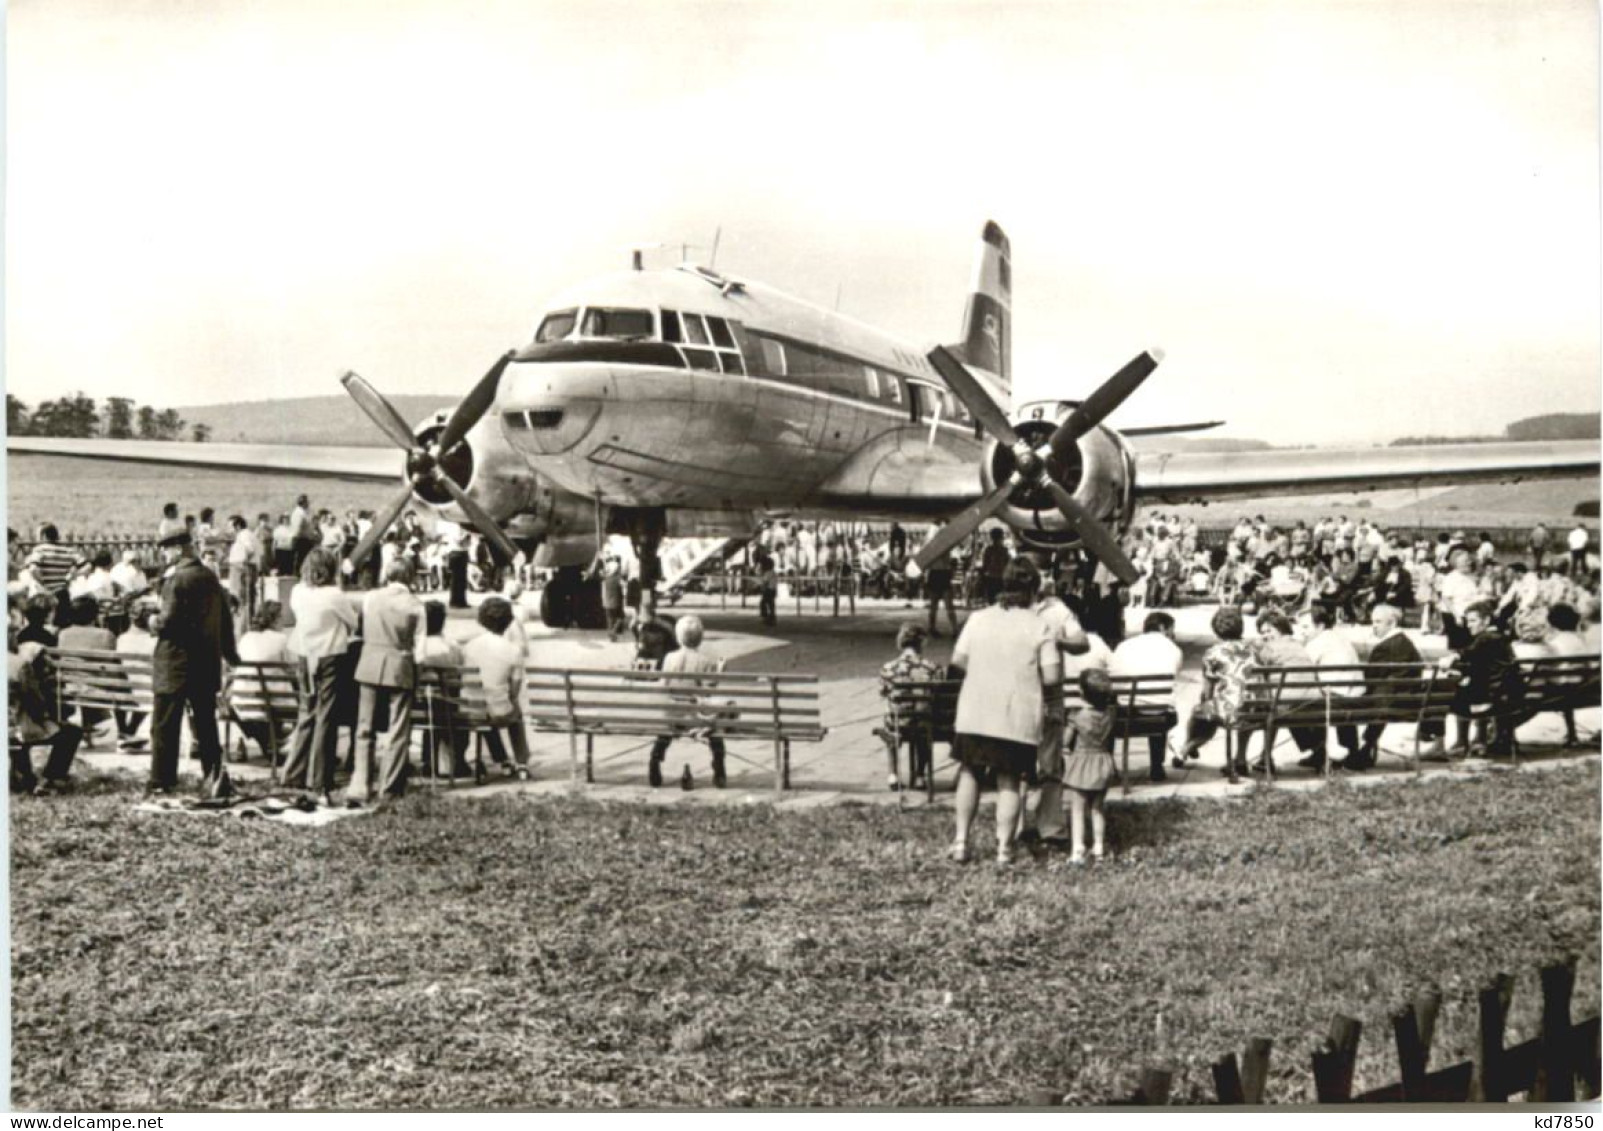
(485, 466)
(1100, 475)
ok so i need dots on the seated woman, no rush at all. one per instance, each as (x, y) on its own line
(1224, 679)
(500, 663)
(265, 643)
(909, 717)
(1279, 648)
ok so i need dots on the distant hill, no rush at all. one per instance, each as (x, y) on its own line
(305, 420)
(1558, 426)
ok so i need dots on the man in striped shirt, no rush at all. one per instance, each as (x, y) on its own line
(53, 566)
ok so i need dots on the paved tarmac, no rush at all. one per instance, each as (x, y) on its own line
(849, 766)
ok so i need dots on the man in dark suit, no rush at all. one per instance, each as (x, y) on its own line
(386, 676)
(1391, 646)
(194, 636)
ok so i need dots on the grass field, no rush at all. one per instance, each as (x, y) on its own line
(103, 497)
(515, 952)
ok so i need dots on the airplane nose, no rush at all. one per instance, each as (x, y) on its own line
(545, 411)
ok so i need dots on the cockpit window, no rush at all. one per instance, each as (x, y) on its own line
(556, 326)
(617, 323)
(695, 330)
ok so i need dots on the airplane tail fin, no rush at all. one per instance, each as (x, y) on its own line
(987, 318)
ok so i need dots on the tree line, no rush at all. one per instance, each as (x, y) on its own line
(77, 415)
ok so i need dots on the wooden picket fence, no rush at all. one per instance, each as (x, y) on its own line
(1545, 1069)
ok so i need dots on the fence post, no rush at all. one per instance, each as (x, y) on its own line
(1411, 1053)
(1153, 1090)
(1555, 1069)
(1256, 1069)
(1488, 1085)
(1227, 1081)
(573, 731)
(1333, 1061)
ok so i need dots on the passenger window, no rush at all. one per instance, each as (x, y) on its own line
(670, 326)
(872, 380)
(556, 326)
(773, 356)
(720, 332)
(695, 332)
(894, 388)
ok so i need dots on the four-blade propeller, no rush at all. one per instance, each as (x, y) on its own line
(1034, 466)
(423, 463)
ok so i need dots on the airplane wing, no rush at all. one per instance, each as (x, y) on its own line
(1185, 477)
(383, 464)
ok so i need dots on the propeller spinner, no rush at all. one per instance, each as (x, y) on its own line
(1038, 466)
(423, 462)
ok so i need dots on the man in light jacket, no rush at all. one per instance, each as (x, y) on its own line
(386, 675)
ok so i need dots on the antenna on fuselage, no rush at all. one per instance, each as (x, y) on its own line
(838, 288)
(717, 234)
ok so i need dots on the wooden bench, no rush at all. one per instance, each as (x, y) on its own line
(450, 705)
(1323, 697)
(101, 681)
(265, 693)
(733, 706)
(1558, 683)
(1141, 710)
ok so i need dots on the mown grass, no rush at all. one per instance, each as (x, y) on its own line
(567, 953)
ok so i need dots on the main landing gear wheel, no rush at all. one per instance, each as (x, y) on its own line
(572, 600)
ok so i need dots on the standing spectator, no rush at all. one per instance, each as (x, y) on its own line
(455, 544)
(53, 565)
(170, 522)
(654, 638)
(305, 533)
(611, 573)
(206, 532)
(993, 565)
(324, 621)
(688, 659)
(242, 557)
(194, 635)
(1154, 652)
(32, 721)
(1541, 541)
(1579, 539)
(898, 547)
(284, 548)
(767, 589)
(264, 544)
(1008, 657)
(386, 676)
(501, 666)
(1066, 632)
(938, 586)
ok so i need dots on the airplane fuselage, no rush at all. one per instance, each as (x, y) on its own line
(681, 389)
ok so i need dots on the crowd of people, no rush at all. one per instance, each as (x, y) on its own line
(362, 636)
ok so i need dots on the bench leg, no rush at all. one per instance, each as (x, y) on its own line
(590, 759)
(786, 779)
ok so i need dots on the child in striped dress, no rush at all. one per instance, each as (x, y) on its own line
(1089, 765)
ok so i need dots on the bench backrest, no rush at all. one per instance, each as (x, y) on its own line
(1141, 703)
(263, 690)
(107, 680)
(1559, 682)
(731, 704)
(449, 698)
(1310, 694)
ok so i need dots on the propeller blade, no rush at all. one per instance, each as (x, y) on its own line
(381, 523)
(973, 396)
(473, 406)
(480, 518)
(964, 524)
(1096, 538)
(1096, 408)
(379, 410)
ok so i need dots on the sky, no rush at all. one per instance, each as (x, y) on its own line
(1341, 221)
